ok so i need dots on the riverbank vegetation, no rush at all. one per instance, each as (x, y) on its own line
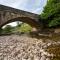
(20, 28)
(51, 13)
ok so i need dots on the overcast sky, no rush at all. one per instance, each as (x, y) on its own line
(35, 6)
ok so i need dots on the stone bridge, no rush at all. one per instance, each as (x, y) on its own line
(9, 14)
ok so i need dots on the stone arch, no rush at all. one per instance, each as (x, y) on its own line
(9, 14)
(27, 20)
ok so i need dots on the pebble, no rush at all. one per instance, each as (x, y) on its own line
(26, 48)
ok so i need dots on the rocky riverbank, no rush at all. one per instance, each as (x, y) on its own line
(15, 47)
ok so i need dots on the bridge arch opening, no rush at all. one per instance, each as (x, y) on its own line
(20, 27)
(24, 20)
(13, 24)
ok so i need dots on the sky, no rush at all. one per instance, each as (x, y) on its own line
(34, 6)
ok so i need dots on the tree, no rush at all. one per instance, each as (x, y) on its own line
(25, 27)
(8, 29)
(51, 13)
(1, 30)
(18, 24)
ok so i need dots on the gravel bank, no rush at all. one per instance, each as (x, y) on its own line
(17, 47)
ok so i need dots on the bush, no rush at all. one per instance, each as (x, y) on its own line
(51, 13)
(8, 29)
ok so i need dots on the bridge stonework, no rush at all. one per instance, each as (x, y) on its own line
(8, 14)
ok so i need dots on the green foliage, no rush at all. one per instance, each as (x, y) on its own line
(1, 30)
(54, 22)
(51, 13)
(7, 29)
(25, 28)
(18, 24)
